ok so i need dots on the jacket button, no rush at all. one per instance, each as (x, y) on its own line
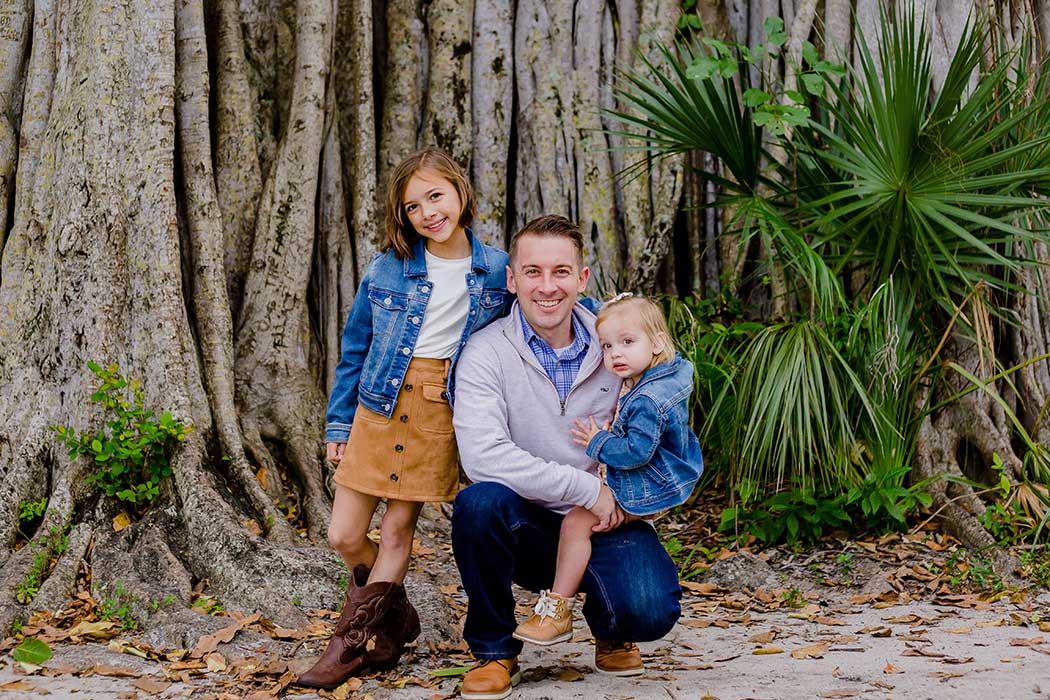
(395, 381)
(399, 448)
(444, 396)
(386, 407)
(473, 311)
(406, 351)
(408, 387)
(393, 477)
(388, 301)
(404, 419)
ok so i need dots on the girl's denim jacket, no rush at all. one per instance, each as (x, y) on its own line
(381, 332)
(652, 455)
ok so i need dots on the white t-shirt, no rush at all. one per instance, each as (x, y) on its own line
(447, 309)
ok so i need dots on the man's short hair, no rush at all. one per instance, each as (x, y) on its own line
(553, 226)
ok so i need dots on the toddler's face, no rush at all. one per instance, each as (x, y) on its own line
(627, 349)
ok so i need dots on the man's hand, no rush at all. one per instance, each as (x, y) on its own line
(334, 452)
(583, 434)
(609, 515)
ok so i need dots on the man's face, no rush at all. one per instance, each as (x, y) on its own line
(546, 275)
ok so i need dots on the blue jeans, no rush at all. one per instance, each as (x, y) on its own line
(499, 537)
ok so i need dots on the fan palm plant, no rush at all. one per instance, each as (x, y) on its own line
(922, 189)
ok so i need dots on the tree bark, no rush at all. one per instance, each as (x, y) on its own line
(195, 197)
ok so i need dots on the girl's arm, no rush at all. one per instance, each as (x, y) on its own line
(357, 337)
(644, 425)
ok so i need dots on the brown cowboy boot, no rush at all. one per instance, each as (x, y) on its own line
(399, 627)
(347, 653)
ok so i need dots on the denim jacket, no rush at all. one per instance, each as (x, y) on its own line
(652, 455)
(381, 332)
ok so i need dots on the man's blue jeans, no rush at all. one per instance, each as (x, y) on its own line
(498, 537)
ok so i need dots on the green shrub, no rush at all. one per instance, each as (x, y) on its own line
(133, 453)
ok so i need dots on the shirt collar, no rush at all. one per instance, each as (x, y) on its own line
(580, 342)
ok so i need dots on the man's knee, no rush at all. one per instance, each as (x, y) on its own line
(482, 505)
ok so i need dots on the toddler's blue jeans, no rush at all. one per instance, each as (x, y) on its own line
(499, 537)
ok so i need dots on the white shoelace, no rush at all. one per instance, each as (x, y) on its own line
(545, 606)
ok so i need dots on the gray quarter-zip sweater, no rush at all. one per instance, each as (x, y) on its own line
(511, 426)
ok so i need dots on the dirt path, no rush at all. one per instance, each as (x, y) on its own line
(885, 619)
(913, 650)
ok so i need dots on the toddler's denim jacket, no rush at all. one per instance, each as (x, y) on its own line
(381, 332)
(652, 455)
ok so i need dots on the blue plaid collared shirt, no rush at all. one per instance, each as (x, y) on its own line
(562, 367)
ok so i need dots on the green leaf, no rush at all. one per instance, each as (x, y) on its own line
(727, 67)
(809, 53)
(702, 68)
(32, 651)
(451, 671)
(762, 118)
(753, 97)
(813, 83)
(96, 445)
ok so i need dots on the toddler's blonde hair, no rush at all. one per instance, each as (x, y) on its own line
(647, 314)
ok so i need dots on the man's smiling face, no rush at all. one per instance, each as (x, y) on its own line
(547, 276)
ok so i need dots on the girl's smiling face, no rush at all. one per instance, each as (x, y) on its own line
(434, 208)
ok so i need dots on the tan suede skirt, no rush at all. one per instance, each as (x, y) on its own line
(410, 456)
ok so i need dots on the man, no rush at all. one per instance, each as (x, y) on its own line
(520, 385)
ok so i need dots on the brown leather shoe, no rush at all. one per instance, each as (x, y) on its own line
(618, 658)
(347, 653)
(399, 627)
(490, 679)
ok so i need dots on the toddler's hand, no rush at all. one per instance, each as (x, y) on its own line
(582, 434)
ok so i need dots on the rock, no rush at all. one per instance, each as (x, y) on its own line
(742, 572)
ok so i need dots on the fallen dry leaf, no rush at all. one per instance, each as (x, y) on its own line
(960, 630)
(767, 650)
(151, 686)
(116, 671)
(764, 637)
(1031, 642)
(991, 623)
(103, 629)
(840, 694)
(18, 685)
(890, 668)
(569, 675)
(830, 621)
(215, 662)
(815, 651)
(121, 521)
(705, 589)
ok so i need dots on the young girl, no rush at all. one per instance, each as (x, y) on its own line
(389, 416)
(650, 457)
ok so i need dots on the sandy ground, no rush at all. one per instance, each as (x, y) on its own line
(916, 650)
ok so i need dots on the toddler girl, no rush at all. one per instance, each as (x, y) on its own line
(389, 423)
(650, 457)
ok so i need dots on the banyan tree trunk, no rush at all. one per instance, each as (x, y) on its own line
(191, 190)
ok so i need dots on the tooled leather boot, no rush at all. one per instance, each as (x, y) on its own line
(348, 653)
(399, 627)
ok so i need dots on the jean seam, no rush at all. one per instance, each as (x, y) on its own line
(606, 601)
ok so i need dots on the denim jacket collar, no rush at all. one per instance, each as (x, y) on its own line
(652, 374)
(416, 266)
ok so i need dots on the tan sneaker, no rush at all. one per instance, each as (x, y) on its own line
(490, 679)
(551, 621)
(618, 658)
